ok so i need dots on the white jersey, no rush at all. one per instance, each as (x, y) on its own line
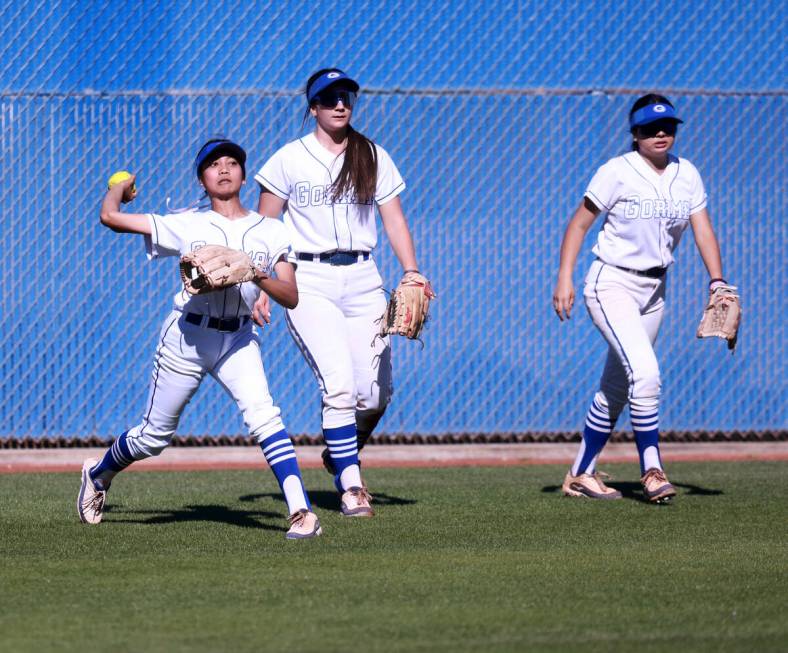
(303, 173)
(264, 240)
(646, 212)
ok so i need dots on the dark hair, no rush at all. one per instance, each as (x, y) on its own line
(644, 101)
(228, 148)
(359, 171)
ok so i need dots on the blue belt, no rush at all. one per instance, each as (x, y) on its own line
(227, 325)
(335, 258)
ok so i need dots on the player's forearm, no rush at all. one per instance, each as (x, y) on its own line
(570, 248)
(283, 292)
(707, 244)
(398, 234)
(110, 206)
(574, 236)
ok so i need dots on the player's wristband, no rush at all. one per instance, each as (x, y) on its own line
(406, 271)
(718, 279)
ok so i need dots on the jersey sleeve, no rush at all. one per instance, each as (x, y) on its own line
(166, 234)
(603, 188)
(390, 183)
(697, 191)
(273, 175)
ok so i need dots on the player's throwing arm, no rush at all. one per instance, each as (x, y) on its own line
(227, 255)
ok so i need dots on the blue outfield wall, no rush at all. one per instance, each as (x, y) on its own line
(497, 117)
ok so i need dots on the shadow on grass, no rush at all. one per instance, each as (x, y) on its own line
(634, 491)
(327, 500)
(207, 513)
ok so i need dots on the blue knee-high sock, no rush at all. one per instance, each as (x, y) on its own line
(645, 424)
(115, 460)
(342, 443)
(597, 430)
(279, 452)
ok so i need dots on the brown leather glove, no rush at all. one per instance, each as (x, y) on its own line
(722, 315)
(407, 308)
(213, 267)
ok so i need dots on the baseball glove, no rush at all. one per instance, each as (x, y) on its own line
(407, 308)
(722, 315)
(214, 267)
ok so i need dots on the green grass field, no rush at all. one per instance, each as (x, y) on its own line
(484, 559)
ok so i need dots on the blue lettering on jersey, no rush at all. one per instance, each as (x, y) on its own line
(648, 208)
(322, 194)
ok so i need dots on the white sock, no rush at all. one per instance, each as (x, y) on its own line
(651, 458)
(350, 477)
(294, 494)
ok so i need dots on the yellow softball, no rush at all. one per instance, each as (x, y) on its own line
(120, 175)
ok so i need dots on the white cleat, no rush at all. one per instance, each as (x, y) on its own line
(303, 525)
(90, 502)
(356, 503)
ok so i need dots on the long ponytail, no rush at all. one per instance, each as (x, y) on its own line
(359, 173)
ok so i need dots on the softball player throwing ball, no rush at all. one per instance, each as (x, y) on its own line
(328, 184)
(209, 333)
(649, 196)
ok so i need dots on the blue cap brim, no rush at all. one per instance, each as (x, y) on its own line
(216, 149)
(328, 79)
(652, 113)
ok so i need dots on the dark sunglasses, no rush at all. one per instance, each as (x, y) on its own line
(653, 128)
(331, 97)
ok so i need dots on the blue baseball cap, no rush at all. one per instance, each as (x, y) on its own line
(215, 148)
(652, 113)
(327, 79)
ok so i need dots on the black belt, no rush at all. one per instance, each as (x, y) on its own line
(651, 273)
(228, 325)
(335, 258)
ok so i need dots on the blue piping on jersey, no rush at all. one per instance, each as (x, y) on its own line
(243, 249)
(659, 222)
(383, 199)
(610, 326)
(600, 203)
(299, 341)
(268, 184)
(331, 179)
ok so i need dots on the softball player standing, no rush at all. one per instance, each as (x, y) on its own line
(328, 184)
(649, 196)
(209, 333)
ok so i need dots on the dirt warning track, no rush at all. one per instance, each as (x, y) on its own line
(21, 461)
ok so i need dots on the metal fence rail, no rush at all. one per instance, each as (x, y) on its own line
(496, 115)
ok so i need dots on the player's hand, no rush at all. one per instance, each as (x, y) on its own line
(128, 189)
(563, 299)
(261, 311)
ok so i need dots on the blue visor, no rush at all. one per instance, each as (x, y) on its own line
(652, 113)
(214, 149)
(327, 79)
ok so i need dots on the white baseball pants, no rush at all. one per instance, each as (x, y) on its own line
(185, 354)
(335, 326)
(627, 309)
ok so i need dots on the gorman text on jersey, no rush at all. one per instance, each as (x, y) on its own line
(648, 208)
(308, 195)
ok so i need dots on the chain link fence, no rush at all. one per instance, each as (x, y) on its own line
(496, 115)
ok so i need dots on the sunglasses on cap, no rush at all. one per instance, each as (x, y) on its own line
(651, 129)
(331, 97)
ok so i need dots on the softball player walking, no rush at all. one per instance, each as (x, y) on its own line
(328, 184)
(209, 333)
(648, 196)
